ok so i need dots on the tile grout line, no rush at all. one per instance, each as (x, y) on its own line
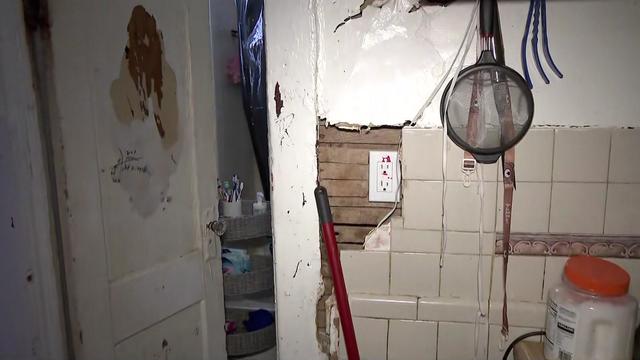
(606, 188)
(544, 277)
(437, 338)
(390, 267)
(553, 157)
(388, 332)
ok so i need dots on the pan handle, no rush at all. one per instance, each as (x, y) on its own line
(322, 201)
(498, 44)
(487, 12)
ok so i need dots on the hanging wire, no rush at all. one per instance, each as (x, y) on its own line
(469, 40)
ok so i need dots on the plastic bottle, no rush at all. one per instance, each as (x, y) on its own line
(260, 206)
(590, 315)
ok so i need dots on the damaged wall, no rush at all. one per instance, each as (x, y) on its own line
(379, 68)
(292, 152)
(343, 168)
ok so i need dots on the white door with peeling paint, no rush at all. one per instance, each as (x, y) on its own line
(134, 101)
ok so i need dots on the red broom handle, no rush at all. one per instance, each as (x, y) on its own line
(329, 236)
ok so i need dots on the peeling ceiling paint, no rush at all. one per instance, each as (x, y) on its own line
(366, 67)
(380, 67)
(379, 3)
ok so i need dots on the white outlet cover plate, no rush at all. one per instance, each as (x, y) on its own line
(383, 187)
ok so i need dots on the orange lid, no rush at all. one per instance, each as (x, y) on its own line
(597, 276)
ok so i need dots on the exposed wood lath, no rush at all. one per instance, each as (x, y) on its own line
(343, 168)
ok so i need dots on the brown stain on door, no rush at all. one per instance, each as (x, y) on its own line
(146, 83)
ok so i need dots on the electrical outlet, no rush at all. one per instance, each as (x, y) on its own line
(384, 176)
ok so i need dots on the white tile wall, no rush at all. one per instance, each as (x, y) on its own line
(624, 164)
(383, 306)
(462, 205)
(422, 154)
(412, 340)
(534, 156)
(428, 241)
(467, 243)
(448, 309)
(422, 157)
(373, 264)
(562, 187)
(524, 278)
(415, 274)
(521, 313)
(456, 341)
(409, 240)
(581, 155)
(421, 204)
(531, 206)
(577, 208)
(371, 335)
(577, 160)
(623, 209)
(454, 166)
(459, 279)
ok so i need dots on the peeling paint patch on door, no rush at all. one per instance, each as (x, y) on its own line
(146, 78)
(145, 102)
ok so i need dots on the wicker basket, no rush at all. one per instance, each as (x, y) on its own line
(246, 343)
(248, 226)
(257, 280)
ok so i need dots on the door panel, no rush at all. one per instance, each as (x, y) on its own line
(146, 180)
(180, 334)
(155, 294)
(135, 95)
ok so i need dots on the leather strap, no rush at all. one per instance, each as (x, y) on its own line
(503, 106)
(502, 99)
(509, 181)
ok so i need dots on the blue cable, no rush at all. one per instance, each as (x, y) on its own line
(545, 41)
(523, 46)
(534, 41)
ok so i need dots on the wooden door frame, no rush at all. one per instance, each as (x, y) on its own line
(24, 103)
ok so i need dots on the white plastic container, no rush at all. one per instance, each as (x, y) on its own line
(260, 206)
(590, 315)
(232, 209)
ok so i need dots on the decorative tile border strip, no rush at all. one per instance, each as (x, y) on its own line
(547, 244)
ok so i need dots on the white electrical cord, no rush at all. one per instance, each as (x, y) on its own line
(468, 40)
(480, 288)
(427, 103)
